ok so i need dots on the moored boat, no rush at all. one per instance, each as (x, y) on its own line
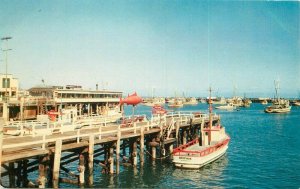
(279, 105)
(191, 101)
(295, 103)
(175, 104)
(264, 102)
(208, 147)
(229, 106)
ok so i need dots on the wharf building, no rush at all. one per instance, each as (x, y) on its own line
(26, 105)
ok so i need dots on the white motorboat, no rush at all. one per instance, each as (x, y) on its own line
(229, 106)
(211, 145)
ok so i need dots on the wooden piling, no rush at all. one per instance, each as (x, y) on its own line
(42, 172)
(142, 146)
(91, 159)
(171, 149)
(56, 164)
(12, 181)
(184, 137)
(81, 168)
(24, 173)
(111, 160)
(124, 147)
(18, 174)
(134, 153)
(153, 153)
(106, 159)
(118, 150)
(177, 132)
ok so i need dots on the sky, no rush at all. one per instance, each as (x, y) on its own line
(158, 47)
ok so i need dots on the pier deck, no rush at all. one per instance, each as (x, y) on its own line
(45, 144)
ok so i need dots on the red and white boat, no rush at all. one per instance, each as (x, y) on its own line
(211, 145)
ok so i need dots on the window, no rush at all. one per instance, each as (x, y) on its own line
(5, 82)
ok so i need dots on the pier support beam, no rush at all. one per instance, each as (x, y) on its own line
(184, 137)
(118, 150)
(142, 145)
(24, 173)
(12, 180)
(124, 147)
(153, 144)
(171, 149)
(18, 174)
(56, 165)
(177, 132)
(153, 152)
(111, 160)
(42, 172)
(91, 159)
(81, 168)
(134, 153)
(105, 165)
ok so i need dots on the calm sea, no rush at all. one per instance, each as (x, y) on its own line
(264, 152)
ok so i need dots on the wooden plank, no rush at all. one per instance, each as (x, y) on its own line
(22, 155)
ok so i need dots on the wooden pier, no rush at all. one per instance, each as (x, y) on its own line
(49, 153)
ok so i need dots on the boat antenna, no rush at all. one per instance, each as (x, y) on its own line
(210, 116)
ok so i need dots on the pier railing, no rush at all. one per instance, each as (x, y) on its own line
(42, 139)
(37, 128)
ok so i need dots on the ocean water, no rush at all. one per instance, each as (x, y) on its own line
(264, 152)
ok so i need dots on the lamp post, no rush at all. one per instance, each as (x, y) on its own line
(5, 50)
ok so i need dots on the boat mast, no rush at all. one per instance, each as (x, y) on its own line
(276, 83)
(210, 117)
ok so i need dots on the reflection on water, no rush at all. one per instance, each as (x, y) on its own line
(211, 173)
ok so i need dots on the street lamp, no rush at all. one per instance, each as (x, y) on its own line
(5, 50)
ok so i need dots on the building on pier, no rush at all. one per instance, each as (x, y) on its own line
(9, 87)
(39, 100)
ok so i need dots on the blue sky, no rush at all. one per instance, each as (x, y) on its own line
(171, 46)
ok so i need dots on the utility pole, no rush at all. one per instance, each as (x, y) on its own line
(5, 50)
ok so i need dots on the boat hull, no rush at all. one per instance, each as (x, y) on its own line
(190, 162)
(225, 107)
(281, 110)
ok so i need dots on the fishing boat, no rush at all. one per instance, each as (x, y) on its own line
(264, 102)
(157, 109)
(208, 147)
(296, 103)
(153, 101)
(218, 100)
(246, 103)
(175, 104)
(229, 106)
(279, 105)
(191, 101)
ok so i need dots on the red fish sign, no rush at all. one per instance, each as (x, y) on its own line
(133, 99)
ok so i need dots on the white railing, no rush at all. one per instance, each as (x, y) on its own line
(37, 128)
(41, 131)
(43, 140)
(170, 128)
